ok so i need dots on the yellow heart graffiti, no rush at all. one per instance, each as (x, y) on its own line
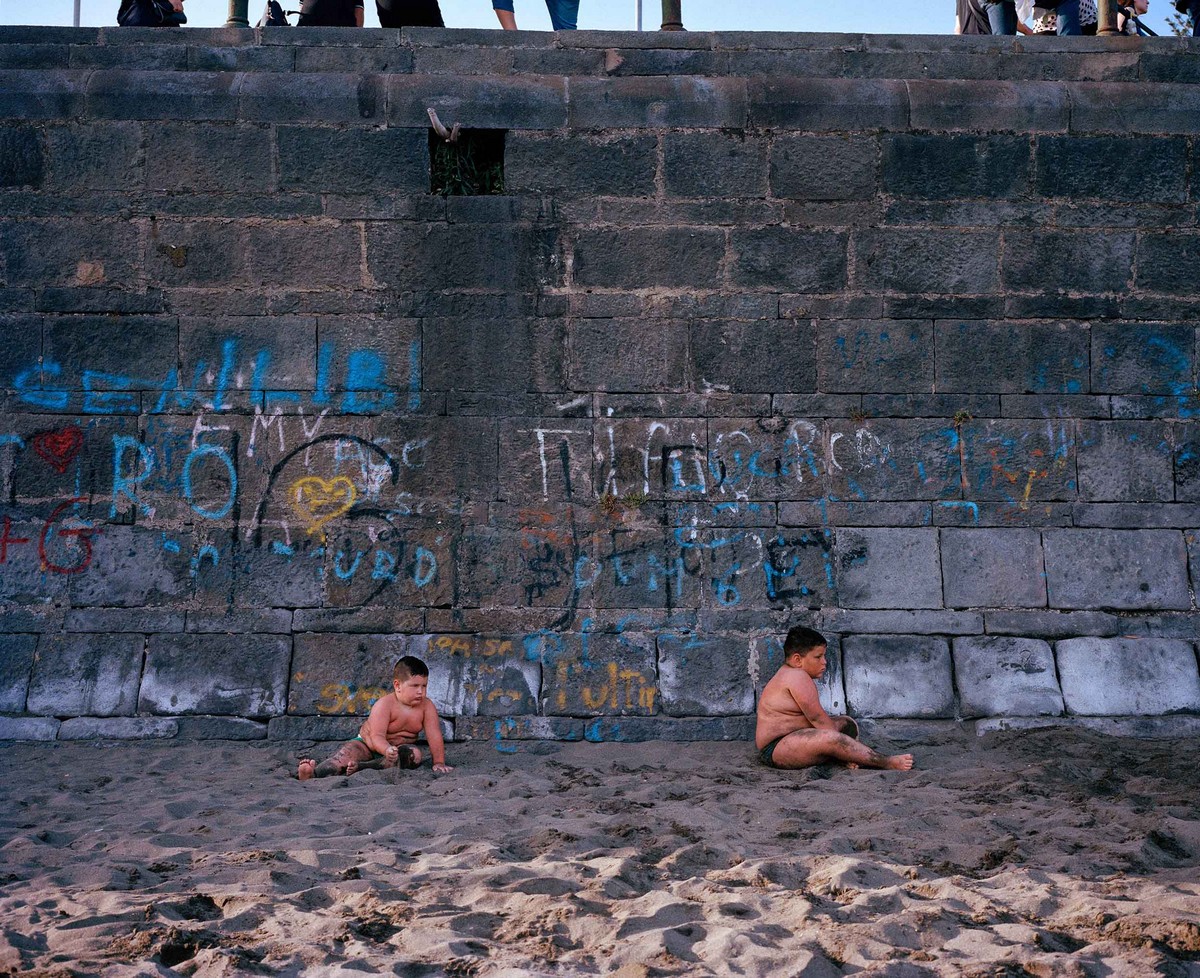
(316, 501)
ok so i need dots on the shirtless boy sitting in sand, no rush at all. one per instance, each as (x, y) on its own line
(387, 736)
(794, 731)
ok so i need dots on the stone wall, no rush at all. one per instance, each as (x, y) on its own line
(891, 336)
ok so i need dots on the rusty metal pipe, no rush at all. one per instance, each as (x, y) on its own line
(1106, 20)
(672, 15)
(238, 13)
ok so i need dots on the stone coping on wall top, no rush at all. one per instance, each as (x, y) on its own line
(423, 37)
(183, 730)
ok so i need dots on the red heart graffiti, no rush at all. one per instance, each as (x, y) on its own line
(59, 448)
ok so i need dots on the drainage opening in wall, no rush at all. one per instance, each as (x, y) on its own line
(470, 165)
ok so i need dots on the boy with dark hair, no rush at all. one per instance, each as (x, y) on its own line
(387, 736)
(793, 729)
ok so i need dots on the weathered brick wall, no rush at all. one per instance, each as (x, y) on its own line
(893, 336)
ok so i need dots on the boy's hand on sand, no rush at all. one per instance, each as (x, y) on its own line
(442, 768)
(392, 752)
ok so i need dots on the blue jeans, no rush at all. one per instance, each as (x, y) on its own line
(1195, 11)
(1002, 15)
(564, 14)
(1068, 17)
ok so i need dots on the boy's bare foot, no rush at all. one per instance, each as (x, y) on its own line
(351, 767)
(410, 757)
(899, 762)
(306, 769)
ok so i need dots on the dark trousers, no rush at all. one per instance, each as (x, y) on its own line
(409, 13)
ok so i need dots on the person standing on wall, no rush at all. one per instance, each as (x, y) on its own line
(1190, 8)
(409, 13)
(151, 13)
(564, 14)
(1008, 17)
(331, 13)
(969, 18)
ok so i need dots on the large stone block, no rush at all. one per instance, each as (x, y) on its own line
(545, 458)
(789, 259)
(16, 667)
(336, 674)
(479, 103)
(875, 356)
(638, 729)
(773, 357)
(480, 675)
(995, 568)
(183, 157)
(239, 675)
(1153, 168)
(897, 676)
(118, 728)
(890, 459)
(941, 261)
(980, 356)
(497, 257)
(888, 568)
(679, 102)
(42, 94)
(219, 728)
(1123, 569)
(121, 93)
(68, 252)
(622, 355)
(29, 728)
(942, 167)
(346, 98)
(22, 158)
(824, 167)
(1006, 677)
(704, 676)
(597, 674)
(129, 568)
(1168, 262)
(902, 622)
(987, 105)
(707, 164)
(828, 104)
(1125, 460)
(1119, 677)
(89, 674)
(353, 161)
(518, 354)
(1150, 358)
(508, 728)
(1019, 461)
(602, 165)
(763, 458)
(634, 258)
(1083, 261)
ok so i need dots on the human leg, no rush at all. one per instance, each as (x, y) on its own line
(505, 14)
(409, 13)
(345, 760)
(1001, 15)
(564, 14)
(1194, 11)
(1068, 18)
(805, 748)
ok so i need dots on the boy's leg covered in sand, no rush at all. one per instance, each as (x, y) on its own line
(807, 748)
(353, 756)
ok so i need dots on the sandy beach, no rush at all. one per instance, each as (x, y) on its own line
(1045, 853)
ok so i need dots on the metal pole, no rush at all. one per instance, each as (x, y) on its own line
(77, 3)
(672, 15)
(237, 14)
(1106, 11)
(639, 14)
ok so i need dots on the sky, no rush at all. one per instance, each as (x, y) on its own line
(853, 16)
